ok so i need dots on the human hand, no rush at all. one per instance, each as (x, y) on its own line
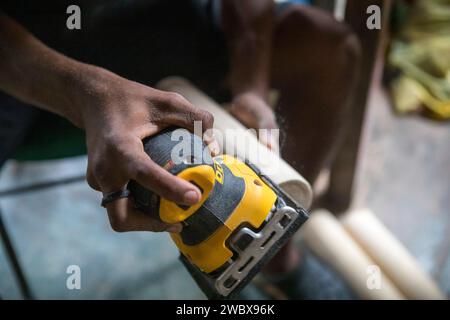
(255, 113)
(117, 114)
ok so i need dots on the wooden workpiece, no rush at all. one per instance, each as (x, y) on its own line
(392, 257)
(249, 147)
(326, 237)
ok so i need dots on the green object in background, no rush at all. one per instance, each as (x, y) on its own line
(52, 137)
(421, 52)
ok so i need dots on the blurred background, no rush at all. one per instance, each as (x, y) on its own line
(395, 161)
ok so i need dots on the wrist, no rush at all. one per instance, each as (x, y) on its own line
(68, 91)
(86, 89)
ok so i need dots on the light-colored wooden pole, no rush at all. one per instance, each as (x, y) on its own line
(236, 140)
(326, 237)
(392, 257)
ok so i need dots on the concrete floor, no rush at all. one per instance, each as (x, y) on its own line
(64, 226)
(405, 180)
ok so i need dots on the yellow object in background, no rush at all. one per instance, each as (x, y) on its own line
(421, 52)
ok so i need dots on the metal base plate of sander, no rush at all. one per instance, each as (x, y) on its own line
(253, 249)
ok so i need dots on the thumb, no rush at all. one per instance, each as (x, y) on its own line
(151, 176)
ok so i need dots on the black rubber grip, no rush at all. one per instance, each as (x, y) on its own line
(174, 149)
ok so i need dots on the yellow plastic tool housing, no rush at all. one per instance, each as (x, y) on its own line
(204, 177)
(253, 209)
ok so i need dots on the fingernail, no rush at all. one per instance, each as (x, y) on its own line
(191, 197)
(208, 135)
(214, 148)
(175, 228)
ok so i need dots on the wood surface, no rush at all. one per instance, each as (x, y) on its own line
(244, 144)
(392, 257)
(327, 238)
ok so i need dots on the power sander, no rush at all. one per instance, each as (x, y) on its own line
(241, 221)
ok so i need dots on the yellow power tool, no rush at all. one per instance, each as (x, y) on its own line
(242, 220)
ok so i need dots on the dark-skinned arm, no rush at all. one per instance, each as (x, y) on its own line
(115, 113)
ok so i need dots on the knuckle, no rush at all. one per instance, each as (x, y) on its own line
(92, 182)
(353, 47)
(141, 171)
(176, 100)
(118, 225)
(117, 144)
(159, 227)
(207, 118)
(99, 172)
(189, 117)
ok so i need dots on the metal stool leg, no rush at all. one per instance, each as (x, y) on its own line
(10, 252)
